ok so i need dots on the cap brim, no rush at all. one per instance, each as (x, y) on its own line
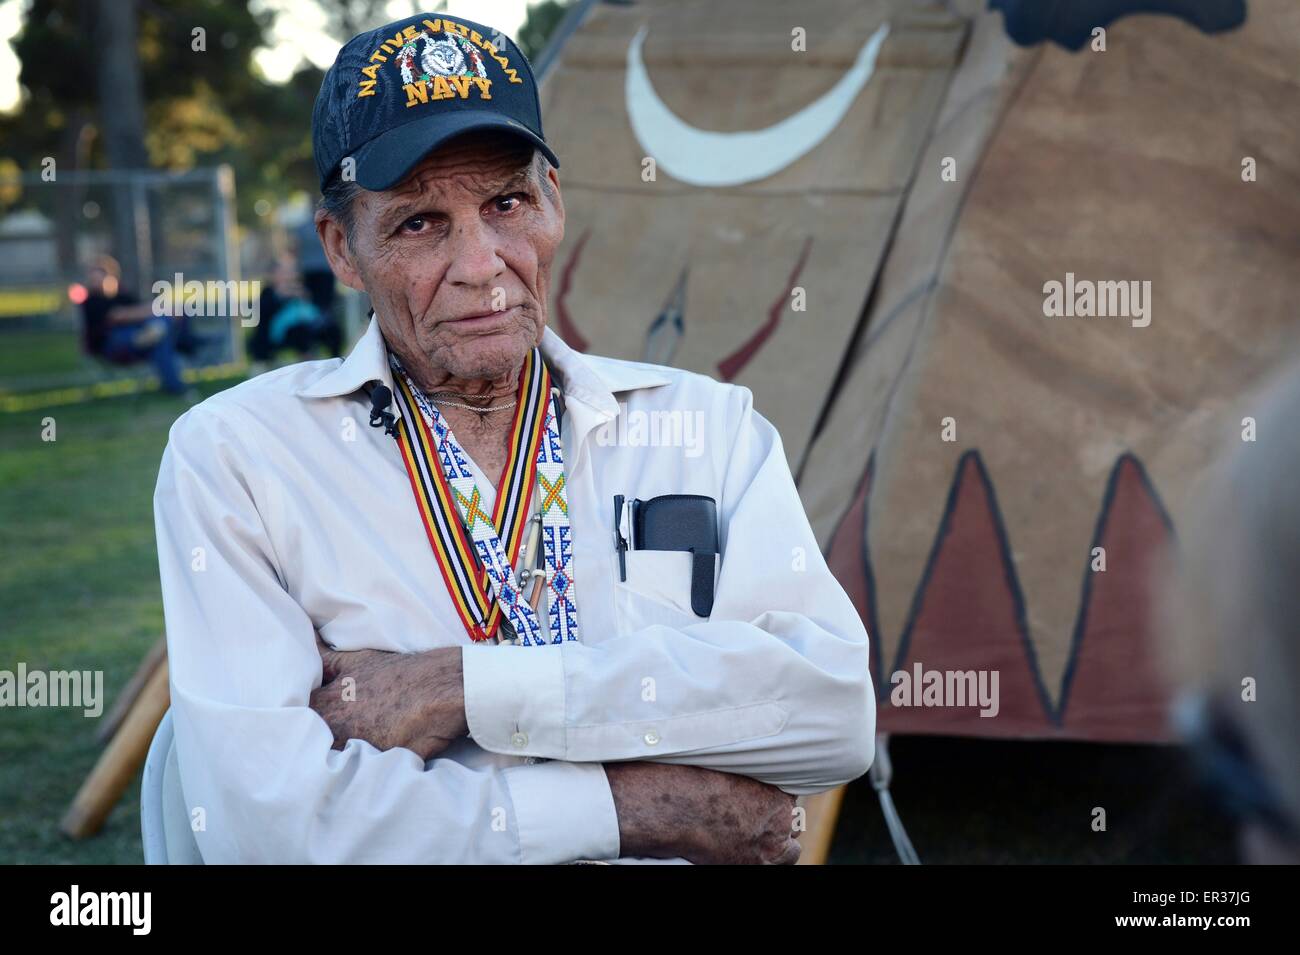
(387, 159)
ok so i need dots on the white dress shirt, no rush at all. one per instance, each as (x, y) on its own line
(281, 513)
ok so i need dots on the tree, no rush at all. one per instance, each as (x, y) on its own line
(346, 18)
(202, 100)
(121, 118)
(539, 24)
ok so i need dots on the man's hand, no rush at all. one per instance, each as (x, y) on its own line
(412, 700)
(700, 815)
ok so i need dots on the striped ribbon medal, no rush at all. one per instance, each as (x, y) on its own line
(483, 589)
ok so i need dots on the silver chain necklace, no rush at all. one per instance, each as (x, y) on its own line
(457, 404)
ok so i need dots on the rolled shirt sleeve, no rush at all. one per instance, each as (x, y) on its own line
(775, 685)
(257, 767)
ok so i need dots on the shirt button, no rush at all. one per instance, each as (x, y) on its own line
(651, 738)
(520, 740)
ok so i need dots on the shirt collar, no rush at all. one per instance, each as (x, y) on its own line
(594, 381)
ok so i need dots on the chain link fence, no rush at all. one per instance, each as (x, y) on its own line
(170, 227)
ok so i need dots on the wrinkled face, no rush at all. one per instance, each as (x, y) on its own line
(457, 258)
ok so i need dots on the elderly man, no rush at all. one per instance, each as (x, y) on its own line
(494, 627)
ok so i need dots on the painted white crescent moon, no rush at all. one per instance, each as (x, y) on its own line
(705, 158)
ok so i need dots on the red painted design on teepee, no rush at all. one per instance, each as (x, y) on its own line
(969, 616)
(1113, 691)
(847, 560)
(733, 364)
(563, 320)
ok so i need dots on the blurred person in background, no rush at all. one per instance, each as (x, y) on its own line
(288, 318)
(119, 328)
(1232, 629)
(318, 278)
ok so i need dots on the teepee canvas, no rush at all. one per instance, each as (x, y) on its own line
(1038, 277)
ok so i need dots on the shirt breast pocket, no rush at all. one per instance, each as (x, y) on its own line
(657, 590)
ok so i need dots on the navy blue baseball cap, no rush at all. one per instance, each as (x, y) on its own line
(397, 93)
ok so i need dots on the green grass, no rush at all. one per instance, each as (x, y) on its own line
(38, 354)
(78, 590)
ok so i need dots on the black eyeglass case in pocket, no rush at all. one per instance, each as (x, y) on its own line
(686, 522)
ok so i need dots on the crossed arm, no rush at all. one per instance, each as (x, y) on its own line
(769, 699)
(417, 701)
